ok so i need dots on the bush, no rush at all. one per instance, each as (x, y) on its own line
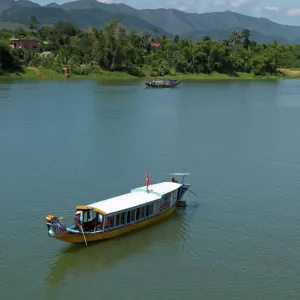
(135, 71)
(8, 62)
(160, 71)
(80, 70)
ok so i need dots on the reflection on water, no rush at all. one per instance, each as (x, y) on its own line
(77, 260)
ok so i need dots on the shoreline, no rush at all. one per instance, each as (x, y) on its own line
(42, 73)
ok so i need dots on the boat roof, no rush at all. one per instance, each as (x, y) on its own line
(179, 174)
(136, 197)
(160, 188)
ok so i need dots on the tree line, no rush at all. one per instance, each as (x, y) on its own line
(113, 48)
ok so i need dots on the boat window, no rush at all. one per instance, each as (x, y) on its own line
(118, 219)
(142, 212)
(99, 221)
(84, 216)
(88, 215)
(111, 221)
(128, 217)
(132, 219)
(122, 219)
(137, 214)
(93, 215)
(106, 222)
(147, 211)
(151, 209)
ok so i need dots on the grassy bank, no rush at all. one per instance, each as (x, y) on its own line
(42, 73)
(221, 76)
(34, 73)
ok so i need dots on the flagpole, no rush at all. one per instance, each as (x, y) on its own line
(147, 181)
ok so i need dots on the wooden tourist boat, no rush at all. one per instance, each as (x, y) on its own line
(162, 83)
(115, 216)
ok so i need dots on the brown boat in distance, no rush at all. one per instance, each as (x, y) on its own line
(162, 83)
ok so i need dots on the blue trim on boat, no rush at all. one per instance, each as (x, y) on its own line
(72, 230)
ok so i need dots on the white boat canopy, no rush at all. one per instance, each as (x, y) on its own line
(178, 174)
(137, 197)
(159, 188)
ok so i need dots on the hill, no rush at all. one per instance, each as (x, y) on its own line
(87, 13)
(178, 22)
(10, 26)
(217, 34)
(94, 4)
(84, 14)
(5, 4)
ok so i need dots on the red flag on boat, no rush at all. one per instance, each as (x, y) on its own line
(147, 180)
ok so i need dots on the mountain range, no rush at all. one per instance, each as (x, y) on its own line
(91, 13)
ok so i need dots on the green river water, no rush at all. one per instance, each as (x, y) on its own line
(73, 142)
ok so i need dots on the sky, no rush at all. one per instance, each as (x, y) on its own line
(281, 11)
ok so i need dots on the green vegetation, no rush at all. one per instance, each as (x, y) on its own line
(33, 23)
(8, 62)
(116, 52)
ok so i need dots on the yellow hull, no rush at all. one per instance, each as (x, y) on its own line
(78, 238)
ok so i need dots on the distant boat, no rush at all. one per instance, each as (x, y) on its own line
(162, 83)
(118, 215)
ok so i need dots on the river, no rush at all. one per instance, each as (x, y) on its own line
(73, 142)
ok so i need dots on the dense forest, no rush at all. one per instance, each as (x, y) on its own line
(113, 48)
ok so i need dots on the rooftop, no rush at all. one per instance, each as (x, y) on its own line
(22, 40)
(136, 197)
(124, 202)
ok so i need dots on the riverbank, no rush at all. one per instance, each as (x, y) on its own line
(222, 76)
(42, 73)
(290, 73)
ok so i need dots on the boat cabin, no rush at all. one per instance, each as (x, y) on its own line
(138, 205)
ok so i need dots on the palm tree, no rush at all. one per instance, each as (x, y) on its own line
(235, 38)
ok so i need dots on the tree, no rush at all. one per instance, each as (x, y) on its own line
(246, 38)
(235, 38)
(45, 33)
(33, 23)
(176, 38)
(5, 33)
(63, 31)
(8, 63)
(21, 33)
(206, 38)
